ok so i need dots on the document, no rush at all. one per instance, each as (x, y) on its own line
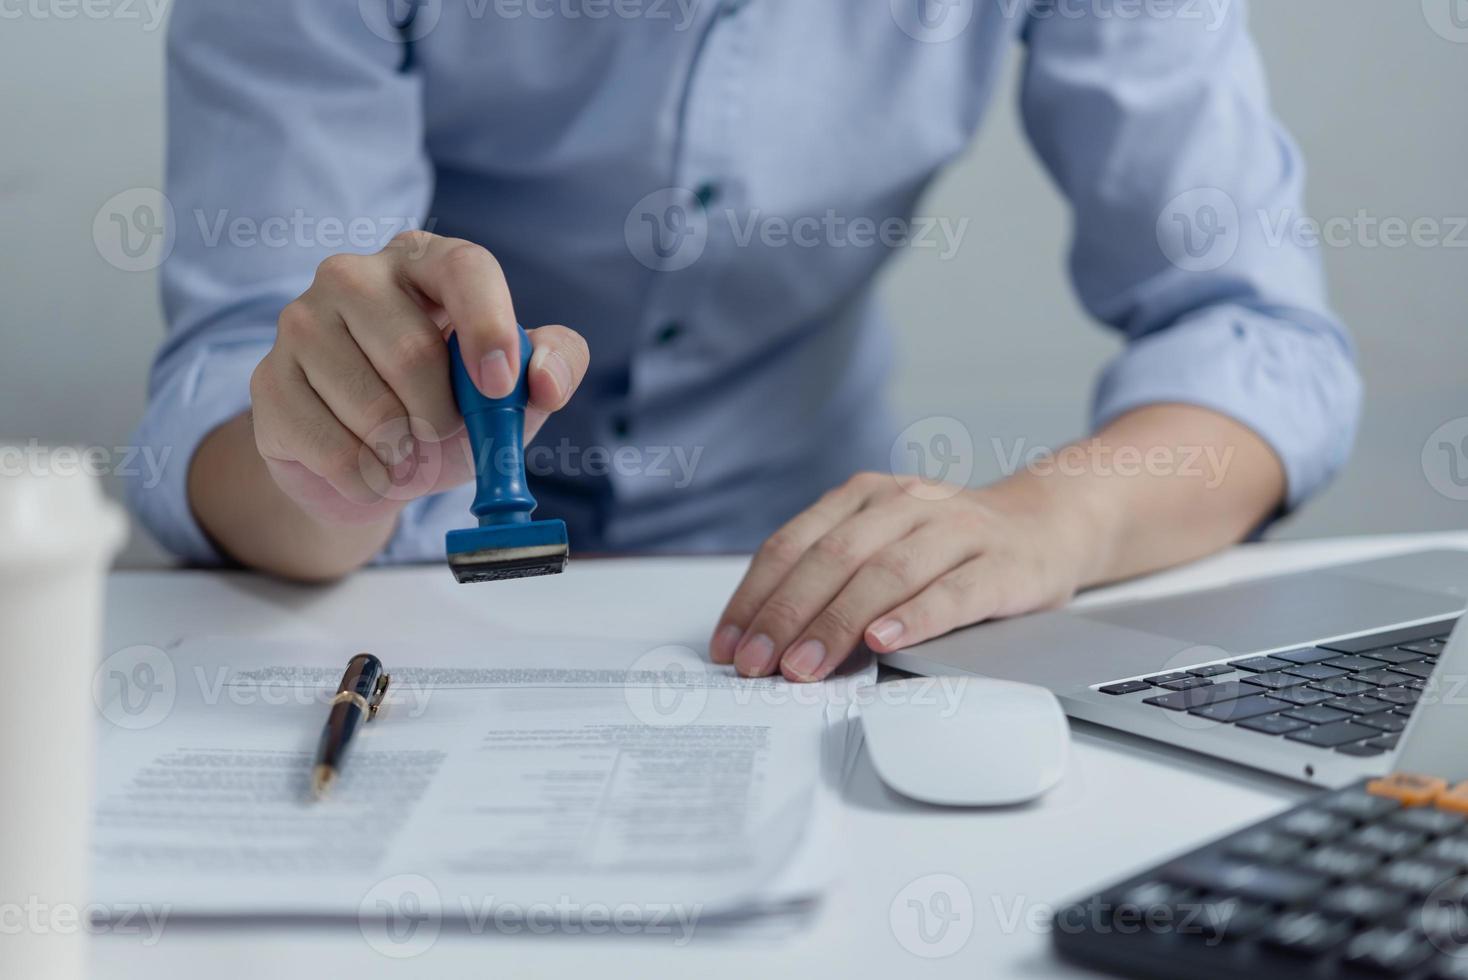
(589, 776)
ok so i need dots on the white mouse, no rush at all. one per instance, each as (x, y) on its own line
(966, 741)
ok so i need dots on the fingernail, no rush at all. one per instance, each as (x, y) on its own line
(886, 631)
(560, 370)
(756, 656)
(726, 638)
(805, 660)
(495, 377)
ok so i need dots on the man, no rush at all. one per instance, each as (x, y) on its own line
(600, 166)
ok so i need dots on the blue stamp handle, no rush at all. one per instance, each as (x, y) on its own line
(497, 439)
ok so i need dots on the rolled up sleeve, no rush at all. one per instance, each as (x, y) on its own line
(292, 135)
(1186, 192)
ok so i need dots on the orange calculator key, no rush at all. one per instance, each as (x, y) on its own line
(1408, 788)
(1455, 799)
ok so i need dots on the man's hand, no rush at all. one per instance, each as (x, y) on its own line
(880, 560)
(893, 561)
(353, 412)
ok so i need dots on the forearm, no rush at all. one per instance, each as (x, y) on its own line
(238, 503)
(1157, 487)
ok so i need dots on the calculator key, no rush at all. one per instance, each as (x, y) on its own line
(1257, 664)
(1408, 788)
(1240, 709)
(1159, 679)
(1272, 724)
(1235, 918)
(1332, 735)
(1411, 875)
(1266, 846)
(1359, 805)
(1211, 670)
(1393, 842)
(1341, 687)
(1425, 820)
(1309, 655)
(1391, 951)
(1351, 663)
(1361, 704)
(1317, 714)
(1335, 861)
(1449, 850)
(1313, 825)
(1303, 696)
(1256, 881)
(1307, 933)
(1126, 687)
(1366, 902)
(1421, 671)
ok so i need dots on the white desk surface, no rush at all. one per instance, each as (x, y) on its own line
(1125, 803)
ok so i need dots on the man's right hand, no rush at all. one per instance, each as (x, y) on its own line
(353, 412)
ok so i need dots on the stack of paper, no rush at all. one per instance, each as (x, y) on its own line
(569, 780)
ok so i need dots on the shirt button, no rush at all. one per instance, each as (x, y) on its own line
(670, 332)
(706, 194)
(620, 426)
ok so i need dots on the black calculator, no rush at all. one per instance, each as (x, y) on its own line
(1368, 881)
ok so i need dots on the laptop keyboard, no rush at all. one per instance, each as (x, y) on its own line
(1353, 696)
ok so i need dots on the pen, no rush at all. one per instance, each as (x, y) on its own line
(357, 699)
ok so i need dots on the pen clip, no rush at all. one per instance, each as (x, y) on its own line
(379, 691)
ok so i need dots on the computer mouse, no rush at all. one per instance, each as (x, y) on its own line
(966, 741)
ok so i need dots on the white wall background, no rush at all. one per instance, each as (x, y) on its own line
(1373, 93)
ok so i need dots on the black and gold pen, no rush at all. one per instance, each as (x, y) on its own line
(357, 699)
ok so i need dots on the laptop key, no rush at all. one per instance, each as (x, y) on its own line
(1385, 721)
(1160, 679)
(1382, 677)
(1309, 655)
(1125, 687)
(1315, 672)
(1386, 742)
(1391, 655)
(1200, 696)
(1363, 749)
(1398, 696)
(1390, 638)
(1352, 663)
(1211, 670)
(1332, 735)
(1421, 670)
(1341, 687)
(1257, 664)
(1239, 709)
(1186, 683)
(1273, 680)
(1317, 714)
(1430, 648)
(1361, 704)
(1271, 724)
(1302, 696)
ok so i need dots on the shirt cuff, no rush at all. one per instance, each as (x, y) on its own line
(195, 399)
(1294, 383)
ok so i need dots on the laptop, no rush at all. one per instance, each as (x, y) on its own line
(1312, 675)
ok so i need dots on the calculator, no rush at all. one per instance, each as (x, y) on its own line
(1367, 881)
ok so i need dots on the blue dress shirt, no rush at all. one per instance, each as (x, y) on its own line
(706, 190)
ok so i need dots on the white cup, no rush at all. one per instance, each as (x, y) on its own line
(58, 534)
